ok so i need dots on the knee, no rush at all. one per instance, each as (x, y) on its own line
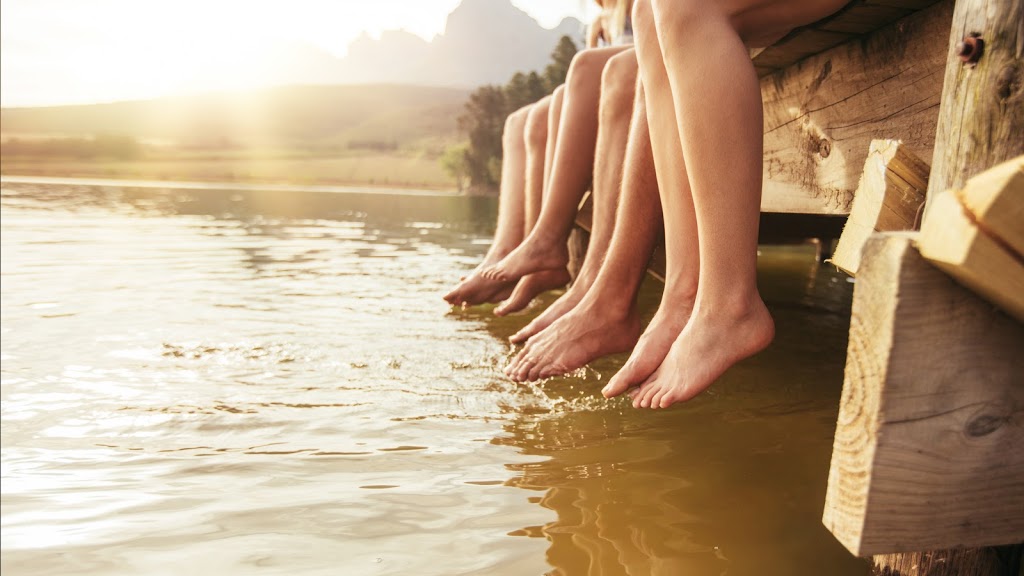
(665, 14)
(515, 125)
(537, 124)
(643, 19)
(585, 69)
(618, 86)
(620, 72)
(558, 95)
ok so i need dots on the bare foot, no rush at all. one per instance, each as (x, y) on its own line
(559, 308)
(530, 287)
(475, 289)
(708, 346)
(590, 331)
(653, 346)
(536, 254)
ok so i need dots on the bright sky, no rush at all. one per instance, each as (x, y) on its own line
(81, 51)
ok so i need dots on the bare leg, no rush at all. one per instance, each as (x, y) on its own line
(606, 321)
(536, 144)
(618, 85)
(545, 246)
(537, 139)
(475, 289)
(554, 119)
(681, 246)
(716, 98)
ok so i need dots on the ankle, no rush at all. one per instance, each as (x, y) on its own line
(738, 306)
(681, 294)
(617, 304)
(547, 236)
(498, 251)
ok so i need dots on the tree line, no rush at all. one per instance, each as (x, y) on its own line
(478, 161)
(101, 146)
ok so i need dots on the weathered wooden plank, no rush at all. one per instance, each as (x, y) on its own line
(995, 200)
(1002, 561)
(821, 114)
(981, 121)
(863, 18)
(888, 199)
(952, 241)
(856, 18)
(578, 241)
(803, 43)
(927, 448)
(908, 4)
(774, 228)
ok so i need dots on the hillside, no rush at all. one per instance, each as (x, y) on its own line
(303, 117)
(484, 42)
(351, 135)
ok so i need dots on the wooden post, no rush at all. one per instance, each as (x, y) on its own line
(888, 199)
(878, 443)
(578, 241)
(928, 447)
(981, 116)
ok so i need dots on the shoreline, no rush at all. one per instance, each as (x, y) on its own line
(225, 186)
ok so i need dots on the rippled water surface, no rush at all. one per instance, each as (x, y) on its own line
(239, 382)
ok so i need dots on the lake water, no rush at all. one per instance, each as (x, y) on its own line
(246, 382)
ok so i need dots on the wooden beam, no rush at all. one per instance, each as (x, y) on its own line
(889, 198)
(773, 228)
(995, 200)
(927, 452)
(856, 18)
(981, 120)
(952, 241)
(821, 114)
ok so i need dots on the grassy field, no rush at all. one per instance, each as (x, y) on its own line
(381, 169)
(373, 135)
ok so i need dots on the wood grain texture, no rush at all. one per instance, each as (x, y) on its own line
(951, 240)
(995, 201)
(927, 447)
(890, 194)
(821, 115)
(773, 228)
(856, 18)
(981, 122)
(579, 239)
(1002, 561)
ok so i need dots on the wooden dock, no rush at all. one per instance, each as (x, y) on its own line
(890, 116)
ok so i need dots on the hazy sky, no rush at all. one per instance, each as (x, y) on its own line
(80, 51)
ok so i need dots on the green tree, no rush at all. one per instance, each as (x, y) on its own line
(561, 57)
(524, 89)
(454, 161)
(483, 120)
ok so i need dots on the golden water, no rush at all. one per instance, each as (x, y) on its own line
(241, 382)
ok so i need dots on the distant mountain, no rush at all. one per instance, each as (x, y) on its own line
(395, 90)
(484, 42)
(368, 116)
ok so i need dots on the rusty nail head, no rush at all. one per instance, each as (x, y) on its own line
(971, 49)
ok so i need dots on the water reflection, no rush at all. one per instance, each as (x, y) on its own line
(226, 381)
(732, 483)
